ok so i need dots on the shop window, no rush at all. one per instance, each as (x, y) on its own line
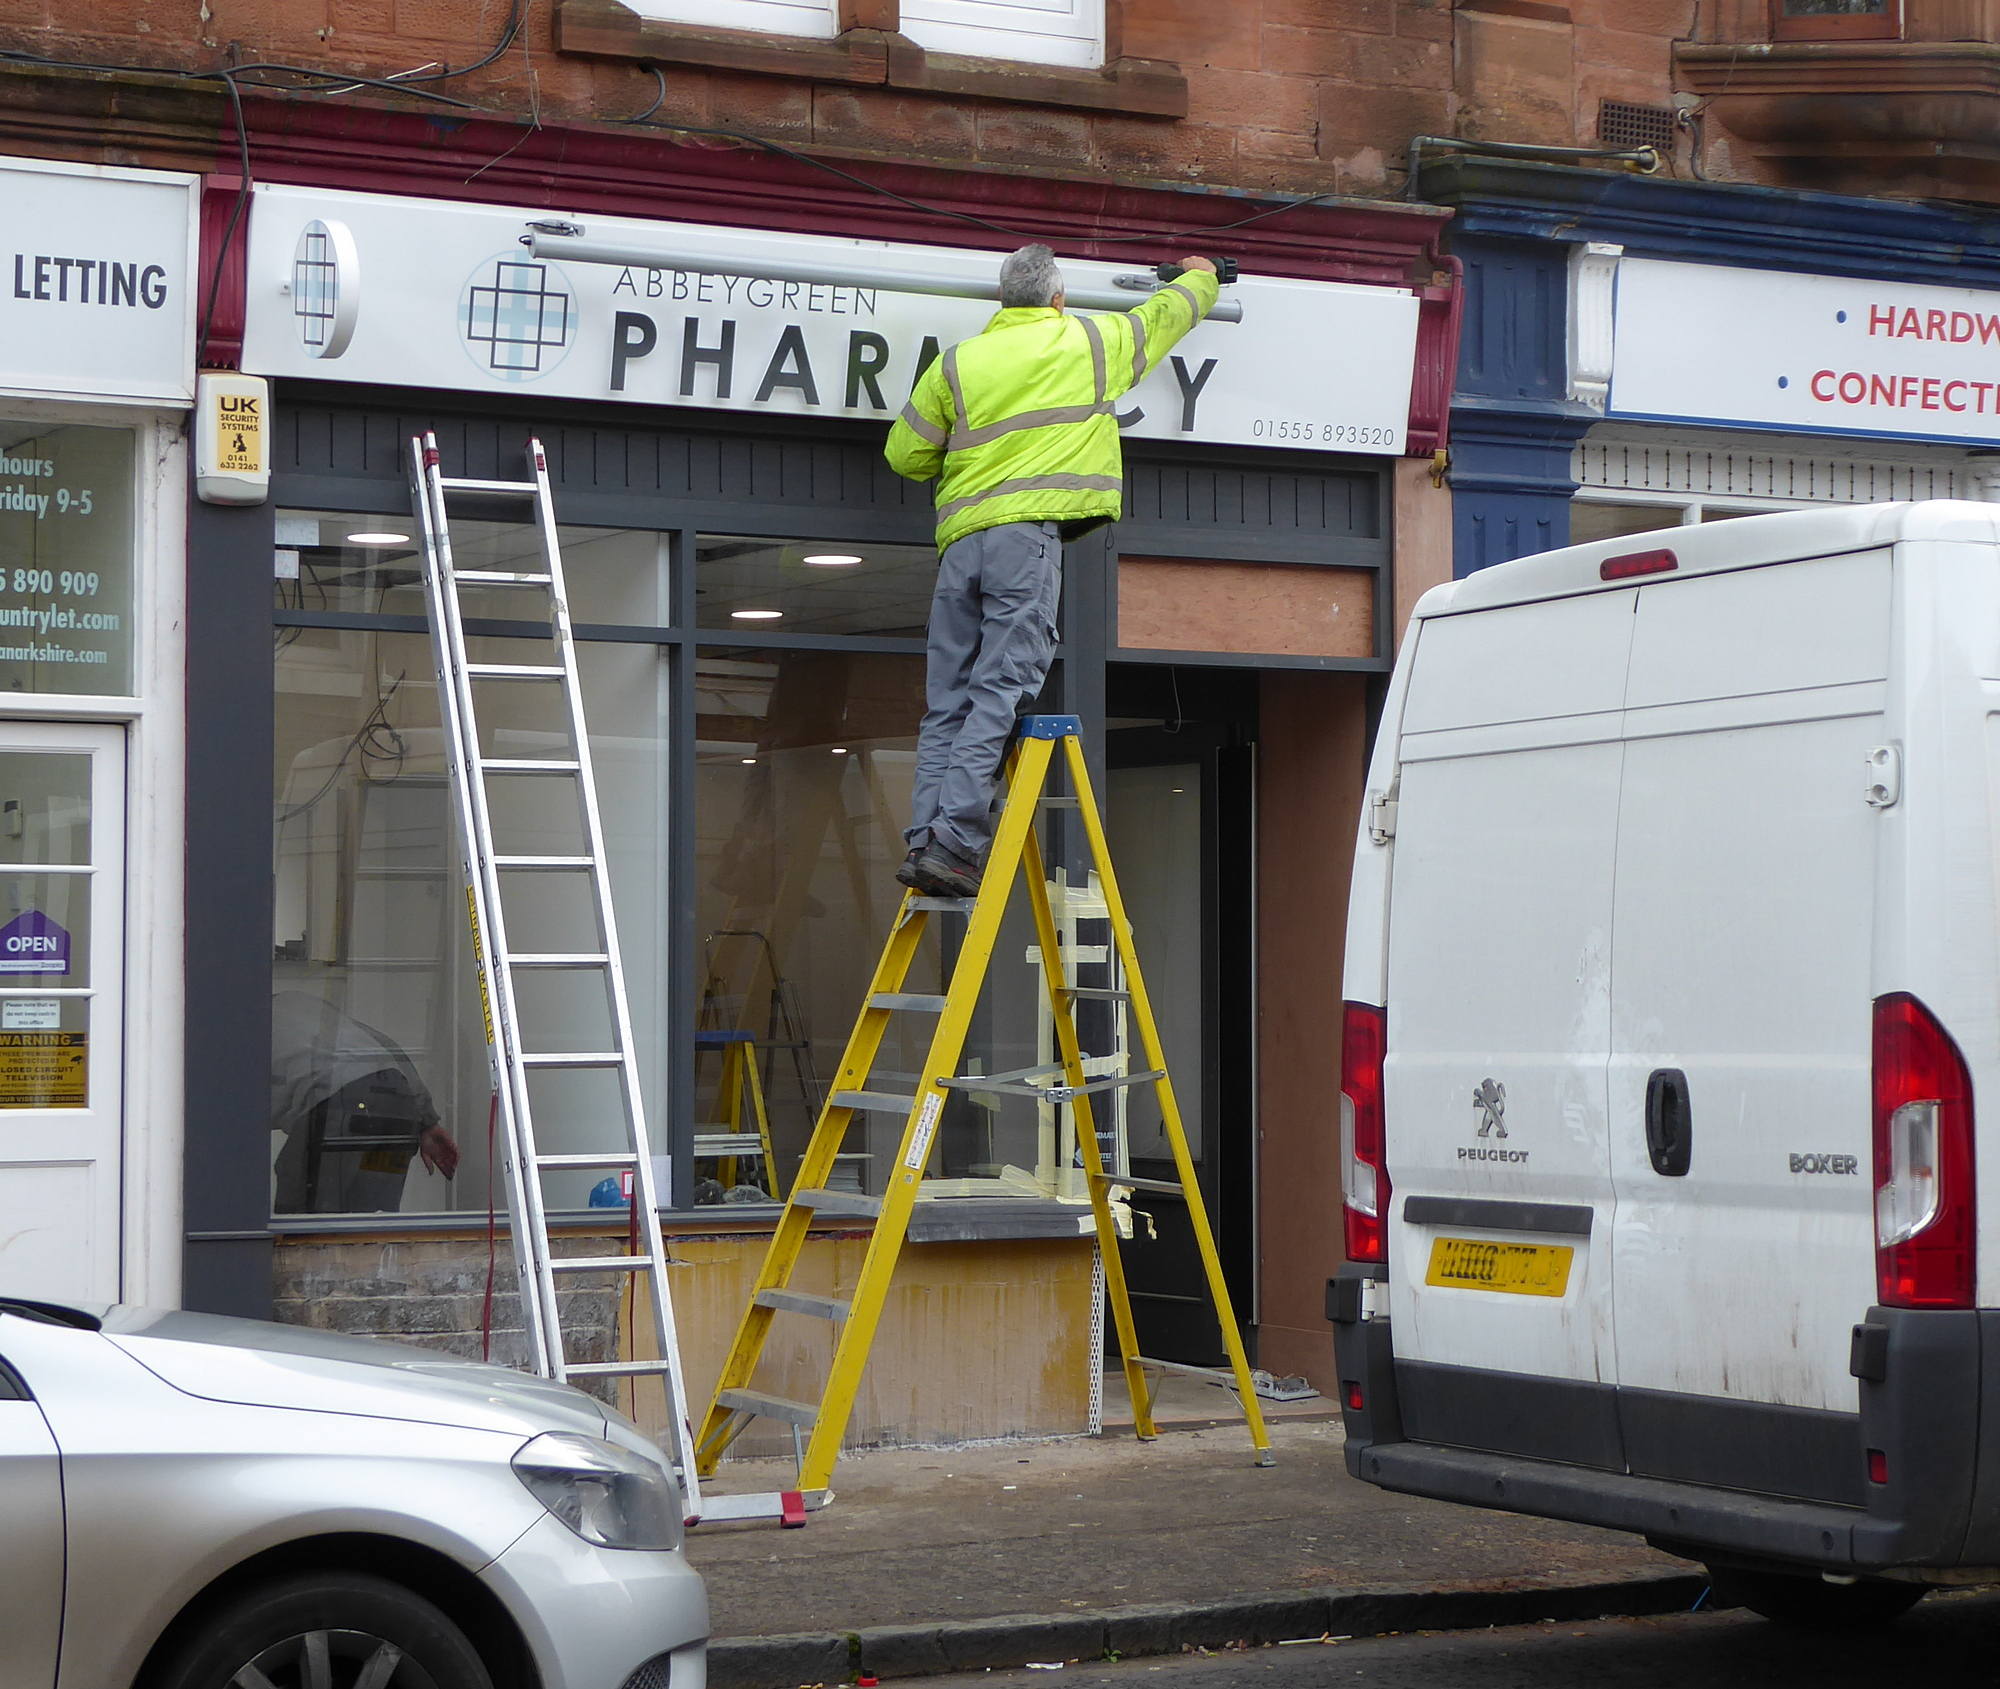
(380, 1087)
(802, 747)
(802, 788)
(1050, 32)
(813, 19)
(68, 534)
(1836, 20)
(813, 587)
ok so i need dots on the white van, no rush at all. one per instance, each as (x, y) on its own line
(1673, 980)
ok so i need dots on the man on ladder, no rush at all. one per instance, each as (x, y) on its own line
(1016, 426)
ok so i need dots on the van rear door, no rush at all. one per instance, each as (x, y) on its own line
(1499, 1008)
(1739, 1082)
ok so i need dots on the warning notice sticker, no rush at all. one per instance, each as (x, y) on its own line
(44, 1070)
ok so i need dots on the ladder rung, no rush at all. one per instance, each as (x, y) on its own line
(573, 1058)
(498, 577)
(595, 1158)
(1058, 802)
(616, 1369)
(528, 765)
(464, 484)
(545, 864)
(874, 1102)
(599, 1263)
(557, 959)
(945, 905)
(851, 1203)
(516, 671)
(1097, 993)
(768, 1407)
(801, 1302)
(1171, 1187)
(915, 1002)
(708, 1145)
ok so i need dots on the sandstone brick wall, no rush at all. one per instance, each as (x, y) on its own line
(1302, 95)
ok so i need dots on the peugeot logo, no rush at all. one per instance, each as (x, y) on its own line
(1490, 1098)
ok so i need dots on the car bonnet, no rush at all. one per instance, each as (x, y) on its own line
(286, 1366)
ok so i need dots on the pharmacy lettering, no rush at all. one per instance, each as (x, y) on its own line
(455, 300)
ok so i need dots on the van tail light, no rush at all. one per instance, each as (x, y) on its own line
(1926, 1209)
(1364, 1172)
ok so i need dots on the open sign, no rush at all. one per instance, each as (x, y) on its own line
(32, 943)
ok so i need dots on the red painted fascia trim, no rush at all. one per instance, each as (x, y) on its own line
(355, 146)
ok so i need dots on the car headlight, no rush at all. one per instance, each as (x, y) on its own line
(609, 1496)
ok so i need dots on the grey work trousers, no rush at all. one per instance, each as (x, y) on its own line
(992, 636)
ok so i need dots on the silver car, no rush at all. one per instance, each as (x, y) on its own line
(200, 1503)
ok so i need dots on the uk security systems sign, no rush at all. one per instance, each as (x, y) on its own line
(1810, 354)
(424, 293)
(96, 282)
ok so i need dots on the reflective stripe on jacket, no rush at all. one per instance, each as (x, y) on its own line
(1016, 424)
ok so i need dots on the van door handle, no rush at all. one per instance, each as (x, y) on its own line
(1669, 1123)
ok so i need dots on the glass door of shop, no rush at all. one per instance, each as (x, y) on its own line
(1178, 816)
(62, 947)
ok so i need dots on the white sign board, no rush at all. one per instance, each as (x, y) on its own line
(97, 292)
(426, 293)
(1811, 354)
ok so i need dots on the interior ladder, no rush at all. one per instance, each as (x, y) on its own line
(487, 873)
(819, 1426)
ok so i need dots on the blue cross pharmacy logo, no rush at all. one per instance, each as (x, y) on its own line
(325, 287)
(517, 317)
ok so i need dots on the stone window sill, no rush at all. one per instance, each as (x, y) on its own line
(871, 57)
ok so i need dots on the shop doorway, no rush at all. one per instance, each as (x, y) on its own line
(1180, 814)
(62, 963)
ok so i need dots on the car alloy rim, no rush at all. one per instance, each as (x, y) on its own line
(333, 1659)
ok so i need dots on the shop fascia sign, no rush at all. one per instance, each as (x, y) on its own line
(97, 293)
(425, 293)
(1804, 353)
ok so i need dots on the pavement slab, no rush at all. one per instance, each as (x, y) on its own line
(1002, 1553)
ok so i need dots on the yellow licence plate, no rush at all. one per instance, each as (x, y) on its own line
(1521, 1269)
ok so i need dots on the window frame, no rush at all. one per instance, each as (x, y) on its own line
(1886, 25)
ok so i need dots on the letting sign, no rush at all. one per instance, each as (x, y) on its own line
(425, 293)
(95, 282)
(1815, 354)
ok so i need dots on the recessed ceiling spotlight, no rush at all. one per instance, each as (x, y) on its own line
(830, 559)
(755, 615)
(839, 750)
(378, 539)
(749, 762)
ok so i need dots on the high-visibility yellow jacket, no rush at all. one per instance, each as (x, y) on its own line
(1016, 424)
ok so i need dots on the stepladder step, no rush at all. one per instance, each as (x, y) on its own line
(908, 1002)
(874, 1102)
(841, 1204)
(1167, 1187)
(802, 1302)
(788, 1507)
(765, 1406)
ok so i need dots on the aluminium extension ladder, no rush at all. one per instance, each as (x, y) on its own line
(819, 1426)
(487, 874)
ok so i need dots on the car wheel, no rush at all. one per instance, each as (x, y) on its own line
(1810, 1602)
(326, 1630)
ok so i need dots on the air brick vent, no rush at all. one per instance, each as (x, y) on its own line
(1622, 124)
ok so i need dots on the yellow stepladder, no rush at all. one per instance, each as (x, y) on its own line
(819, 1426)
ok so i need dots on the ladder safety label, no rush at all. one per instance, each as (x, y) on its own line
(920, 1145)
(44, 1070)
(479, 963)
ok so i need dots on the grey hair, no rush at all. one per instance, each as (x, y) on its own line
(1029, 277)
